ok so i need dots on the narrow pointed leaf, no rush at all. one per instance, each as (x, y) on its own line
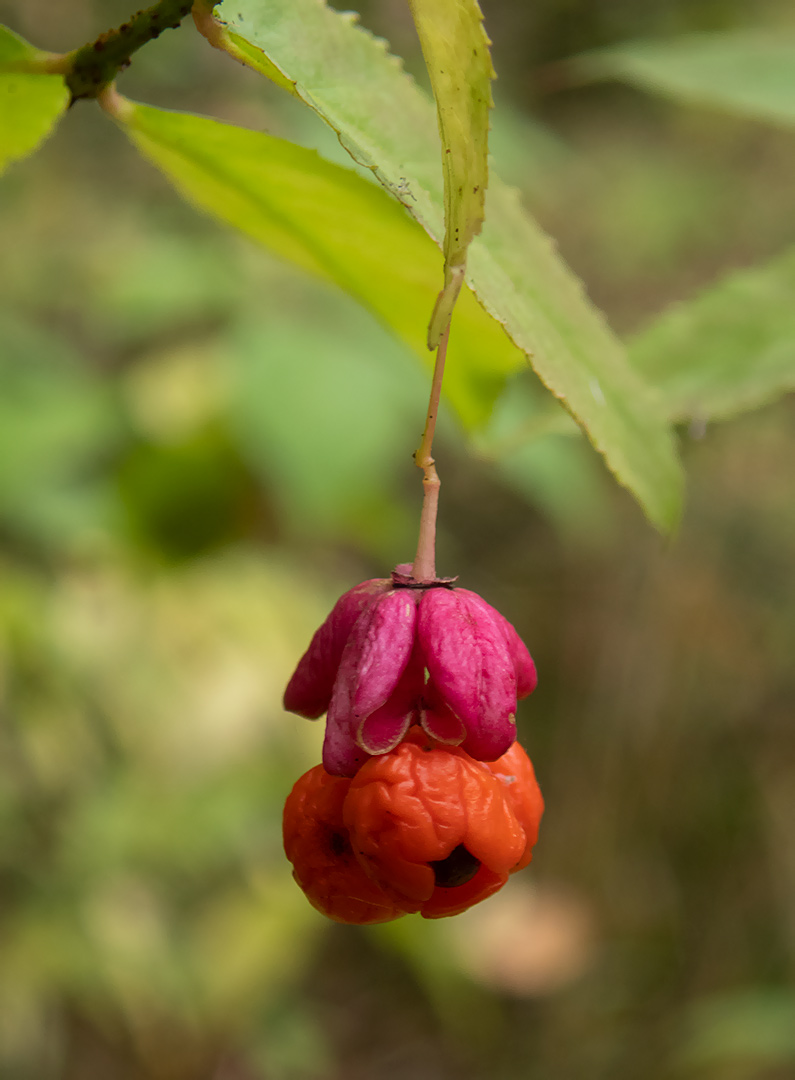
(334, 224)
(30, 102)
(731, 348)
(388, 125)
(456, 52)
(750, 73)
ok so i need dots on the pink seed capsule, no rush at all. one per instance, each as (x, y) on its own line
(367, 665)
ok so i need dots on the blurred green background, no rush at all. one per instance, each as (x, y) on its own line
(200, 449)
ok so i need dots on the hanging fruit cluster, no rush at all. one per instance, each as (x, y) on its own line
(424, 802)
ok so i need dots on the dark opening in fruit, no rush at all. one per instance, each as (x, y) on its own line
(458, 868)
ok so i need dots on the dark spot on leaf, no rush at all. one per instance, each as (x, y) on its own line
(458, 868)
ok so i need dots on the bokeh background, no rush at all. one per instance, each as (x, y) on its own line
(200, 449)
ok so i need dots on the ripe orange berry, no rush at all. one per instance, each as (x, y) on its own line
(423, 828)
(433, 827)
(316, 843)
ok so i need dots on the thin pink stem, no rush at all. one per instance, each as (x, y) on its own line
(424, 568)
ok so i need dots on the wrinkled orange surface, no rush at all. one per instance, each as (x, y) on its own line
(316, 843)
(362, 848)
(515, 771)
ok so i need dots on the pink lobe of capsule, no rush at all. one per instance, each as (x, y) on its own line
(341, 754)
(468, 661)
(383, 729)
(373, 661)
(309, 690)
(438, 720)
(523, 664)
(380, 648)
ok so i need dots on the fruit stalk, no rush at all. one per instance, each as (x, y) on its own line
(424, 568)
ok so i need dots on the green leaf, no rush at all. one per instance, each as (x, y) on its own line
(750, 73)
(14, 50)
(456, 52)
(529, 439)
(30, 103)
(388, 125)
(730, 349)
(333, 223)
